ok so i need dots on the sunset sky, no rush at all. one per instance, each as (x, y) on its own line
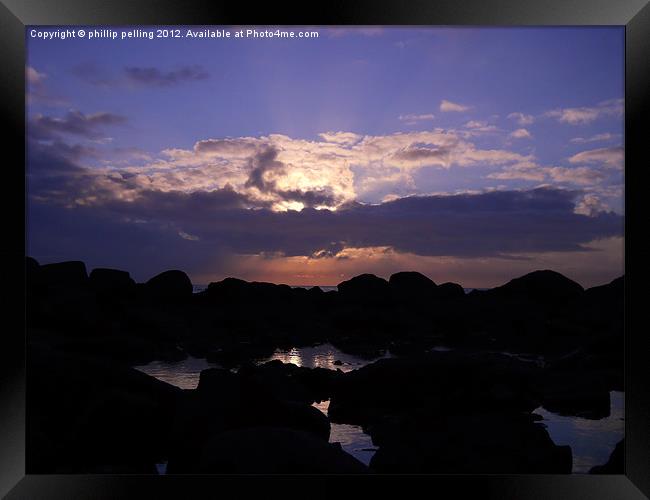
(471, 155)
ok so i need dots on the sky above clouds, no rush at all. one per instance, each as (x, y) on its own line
(472, 155)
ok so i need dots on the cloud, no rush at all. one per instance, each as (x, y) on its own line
(289, 173)
(584, 115)
(522, 171)
(188, 237)
(139, 76)
(156, 77)
(595, 138)
(599, 263)
(522, 119)
(412, 119)
(280, 173)
(611, 157)
(575, 175)
(263, 173)
(583, 176)
(230, 199)
(489, 224)
(33, 77)
(73, 123)
(37, 90)
(241, 147)
(344, 138)
(370, 31)
(521, 133)
(476, 124)
(479, 127)
(590, 205)
(448, 106)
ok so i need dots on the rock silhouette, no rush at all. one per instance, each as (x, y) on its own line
(170, 285)
(616, 462)
(274, 451)
(463, 411)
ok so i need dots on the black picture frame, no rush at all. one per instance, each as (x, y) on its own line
(16, 14)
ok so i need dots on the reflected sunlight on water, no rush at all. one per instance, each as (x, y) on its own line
(591, 441)
(322, 356)
(185, 374)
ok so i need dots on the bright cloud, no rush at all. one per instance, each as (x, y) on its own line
(448, 106)
(611, 157)
(584, 115)
(595, 138)
(344, 138)
(521, 118)
(521, 133)
(575, 175)
(412, 119)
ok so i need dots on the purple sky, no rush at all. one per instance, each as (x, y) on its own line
(472, 155)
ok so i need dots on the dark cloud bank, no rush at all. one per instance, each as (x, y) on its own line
(145, 235)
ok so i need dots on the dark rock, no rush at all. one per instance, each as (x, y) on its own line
(170, 285)
(274, 451)
(233, 354)
(235, 290)
(111, 282)
(292, 383)
(364, 287)
(541, 286)
(33, 284)
(31, 268)
(613, 291)
(232, 288)
(574, 394)
(85, 415)
(615, 464)
(70, 274)
(450, 291)
(448, 382)
(243, 401)
(411, 285)
(599, 364)
(468, 444)
(404, 402)
(360, 346)
(226, 401)
(602, 311)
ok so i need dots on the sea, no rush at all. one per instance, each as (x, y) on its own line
(328, 288)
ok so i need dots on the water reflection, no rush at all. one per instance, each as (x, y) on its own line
(322, 356)
(351, 437)
(591, 441)
(184, 374)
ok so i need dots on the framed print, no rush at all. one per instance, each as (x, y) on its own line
(383, 247)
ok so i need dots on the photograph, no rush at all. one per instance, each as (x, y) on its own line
(325, 249)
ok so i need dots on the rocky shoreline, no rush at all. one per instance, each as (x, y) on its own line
(466, 411)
